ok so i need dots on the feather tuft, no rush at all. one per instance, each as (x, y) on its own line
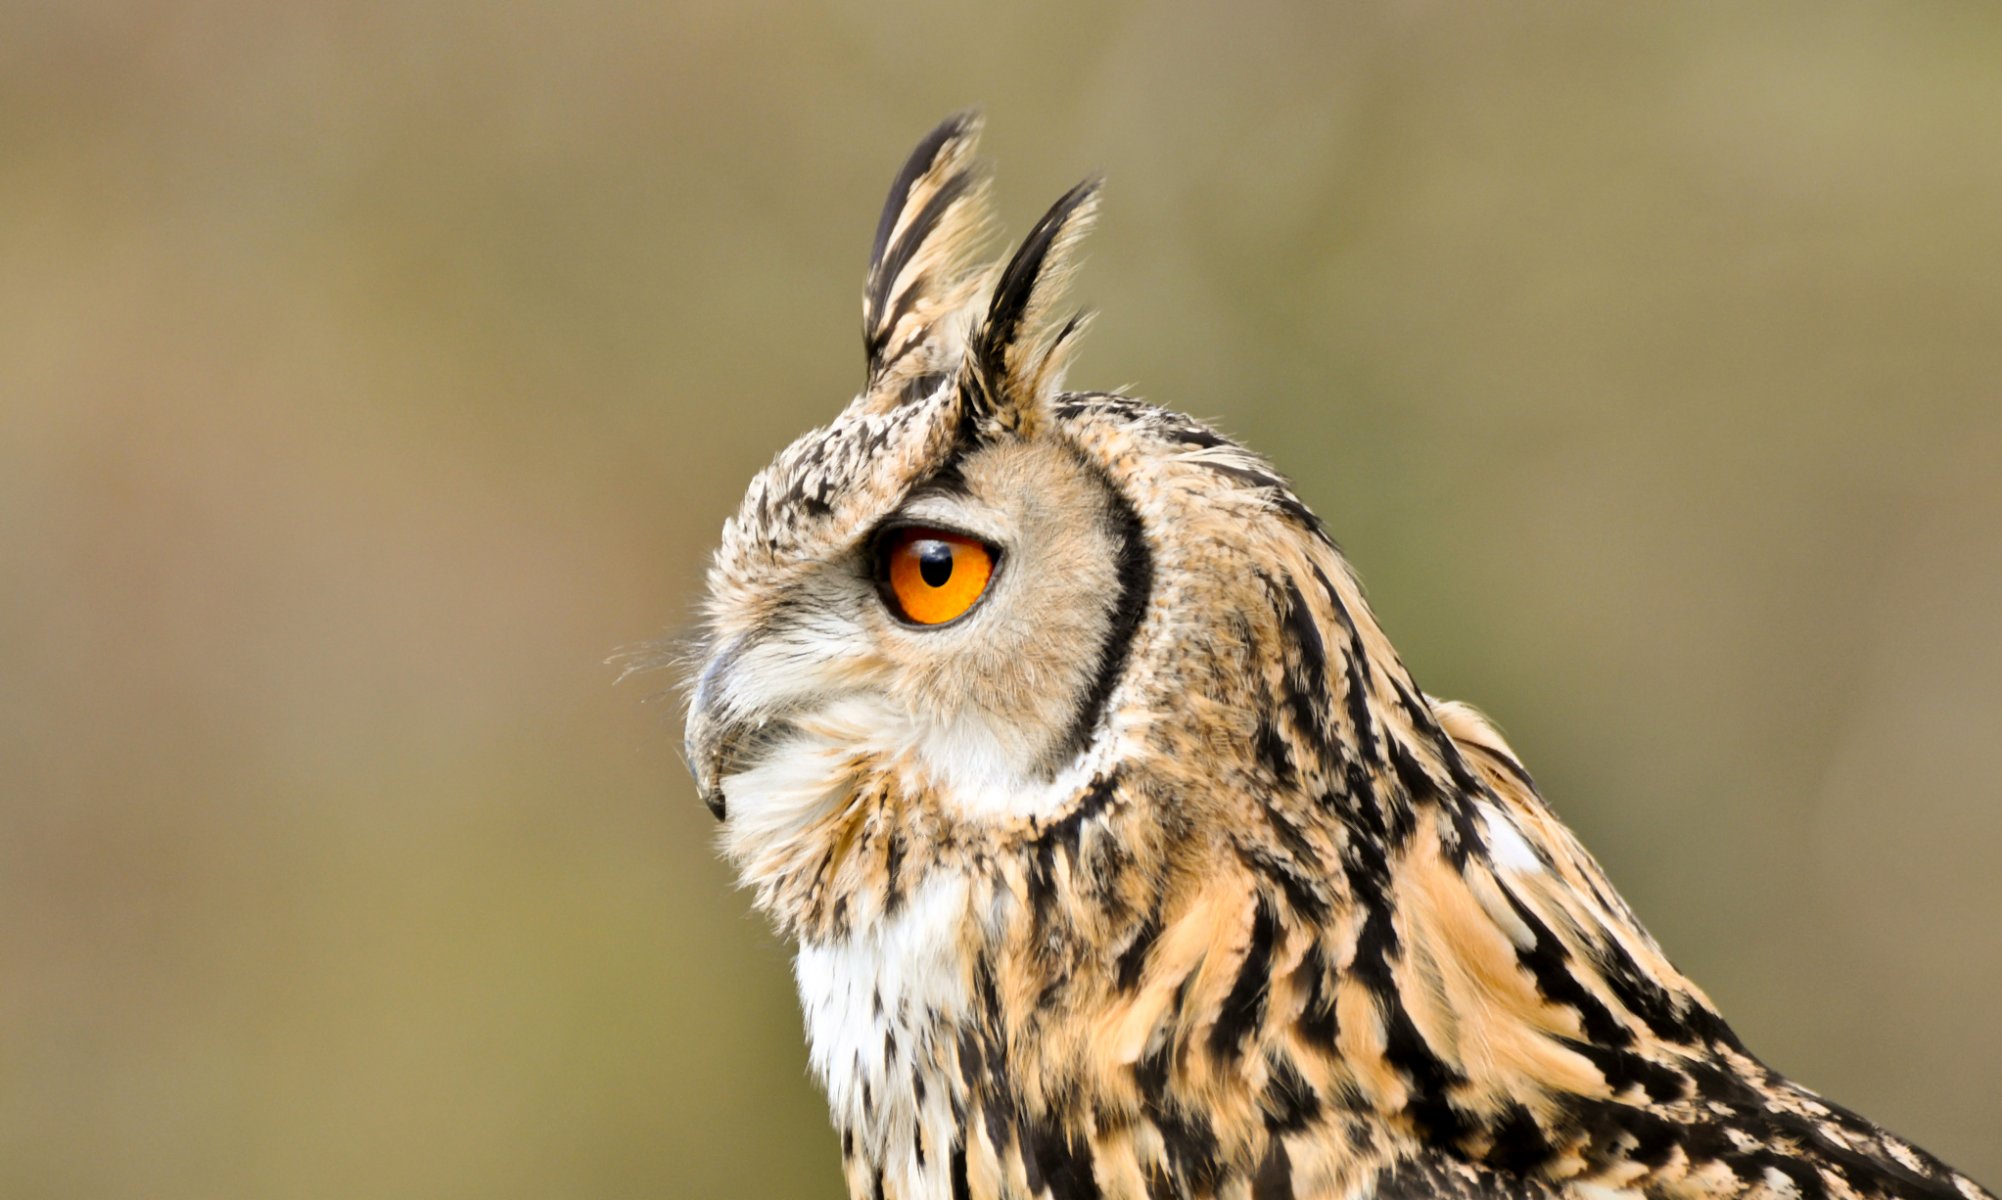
(1018, 356)
(926, 272)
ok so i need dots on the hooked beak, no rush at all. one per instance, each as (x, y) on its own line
(718, 750)
(720, 740)
(701, 764)
(708, 739)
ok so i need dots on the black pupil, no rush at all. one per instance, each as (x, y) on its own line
(934, 563)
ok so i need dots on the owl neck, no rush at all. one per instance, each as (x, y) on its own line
(888, 1004)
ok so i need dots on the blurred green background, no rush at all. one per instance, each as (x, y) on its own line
(369, 372)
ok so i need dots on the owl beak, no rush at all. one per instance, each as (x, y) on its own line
(719, 749)
(710, 738)
(723, 739)
(699, 766)
(711, 750)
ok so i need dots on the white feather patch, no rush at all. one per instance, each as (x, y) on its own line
(1506, 845)
(897, 976)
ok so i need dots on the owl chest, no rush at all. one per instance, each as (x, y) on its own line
(882, 1008)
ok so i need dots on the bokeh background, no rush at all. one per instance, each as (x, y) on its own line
(371, 371)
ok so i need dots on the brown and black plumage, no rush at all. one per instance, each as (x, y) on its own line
(1123, 856)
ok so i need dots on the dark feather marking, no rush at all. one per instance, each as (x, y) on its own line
(921, 227)
(1507, 764)
(907, 302)
(1291, 1104)
(1245, 1004)
(1277, 493)
(1272, 751)
(1294, 840)
(893, 861)
(1013, 294)
(1548, 962)
(1000, 1134)
(1317, 1016)
(1465, 834)
(1353, 665)
(1064, 834)
(1042, 880)
(1518, 1142)
(1194, 435)
(1050, 1158)
(1419, 786)
(1364, 810)
(1448, 1179)
(972, 1065)
(915, 167)
(1305, 695)
(1136, 586)
(920, 387)
(1190, 1143)
(980, 1066)
(1624, 1132)
(1718, 1085)
(1066, 830)
(1300, 891)
(1642, 995)
(1135, 955)
(1071, 326)
(887, 261)
(1400, 814)
(966, 431)
(1274, 1180)
(948, 480)
(1422, 717)
(1429, 1103)
(1376, 947)
(1624, 1069)
(1865, 1173)
(1074, 403)
(1806, 1180)
(961, 1190)
(1250, 476)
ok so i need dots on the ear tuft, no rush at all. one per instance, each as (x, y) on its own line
(1018, 354)
(925, 273)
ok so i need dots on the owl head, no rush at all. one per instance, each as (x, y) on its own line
(972, 599)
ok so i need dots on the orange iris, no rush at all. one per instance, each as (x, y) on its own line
(934, 575)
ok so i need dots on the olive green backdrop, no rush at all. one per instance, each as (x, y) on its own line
(369, 372)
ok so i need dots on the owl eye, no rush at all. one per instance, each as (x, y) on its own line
(930, 576)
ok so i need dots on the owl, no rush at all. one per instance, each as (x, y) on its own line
(1122, 855)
